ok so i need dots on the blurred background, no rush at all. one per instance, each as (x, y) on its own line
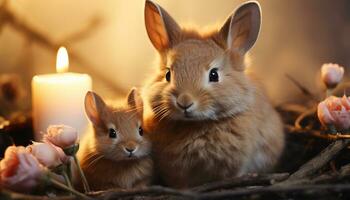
(107, 39)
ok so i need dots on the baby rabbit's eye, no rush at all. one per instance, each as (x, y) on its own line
(112, 133)
(213, 75)
(168, 76)
(141, 131)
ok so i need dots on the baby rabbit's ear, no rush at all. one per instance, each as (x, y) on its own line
(241, 29)
(94, 107)
(134, 99)
(162, 29)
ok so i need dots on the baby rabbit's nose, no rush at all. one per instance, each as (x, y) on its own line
(130, 147)
(130, 150)
(184, 101)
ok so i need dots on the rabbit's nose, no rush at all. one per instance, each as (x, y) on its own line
(130, 147)
(130, 150)
(184, 101)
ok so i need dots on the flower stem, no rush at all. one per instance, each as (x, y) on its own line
(64, 187)
(83, 178)
(328, 92)
(69, 169)
(66, 178)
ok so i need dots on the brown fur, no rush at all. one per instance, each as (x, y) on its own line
(104, 160)
(231, 129)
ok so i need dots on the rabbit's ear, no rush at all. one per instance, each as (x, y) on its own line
(161, 28)
(94, 107)
(241, 29)
(134, 99)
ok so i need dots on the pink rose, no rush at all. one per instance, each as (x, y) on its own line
(19, 170)
(47, 154)
(331, 74)
(8, 165)
(335, 111)
(61, 135)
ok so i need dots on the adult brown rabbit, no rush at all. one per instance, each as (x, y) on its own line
(208, 117)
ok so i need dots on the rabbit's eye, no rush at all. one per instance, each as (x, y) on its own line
(213, 75)
(141, 131)
(168, 76)
(112, 133)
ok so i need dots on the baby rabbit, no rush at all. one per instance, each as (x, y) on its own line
(116, 153)
(207, 116)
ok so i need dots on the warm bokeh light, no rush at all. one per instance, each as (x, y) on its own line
(296, 38)
(62, 61)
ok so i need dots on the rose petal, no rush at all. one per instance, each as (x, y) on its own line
(323, 114)
(46, 154)
(345, 102)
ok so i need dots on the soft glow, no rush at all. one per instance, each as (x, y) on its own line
(62, 61)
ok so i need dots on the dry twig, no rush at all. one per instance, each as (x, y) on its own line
(319, 161)
(303, 89)
(276, 190)
(151, 191)
(247, 180)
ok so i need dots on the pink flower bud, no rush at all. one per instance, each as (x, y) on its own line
(47, 154)
(331, 74)
(61, 135)
(20, 171)
(335, 111)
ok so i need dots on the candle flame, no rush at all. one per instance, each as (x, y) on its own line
(62, 61)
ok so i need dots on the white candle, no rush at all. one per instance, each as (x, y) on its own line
(59, 98)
